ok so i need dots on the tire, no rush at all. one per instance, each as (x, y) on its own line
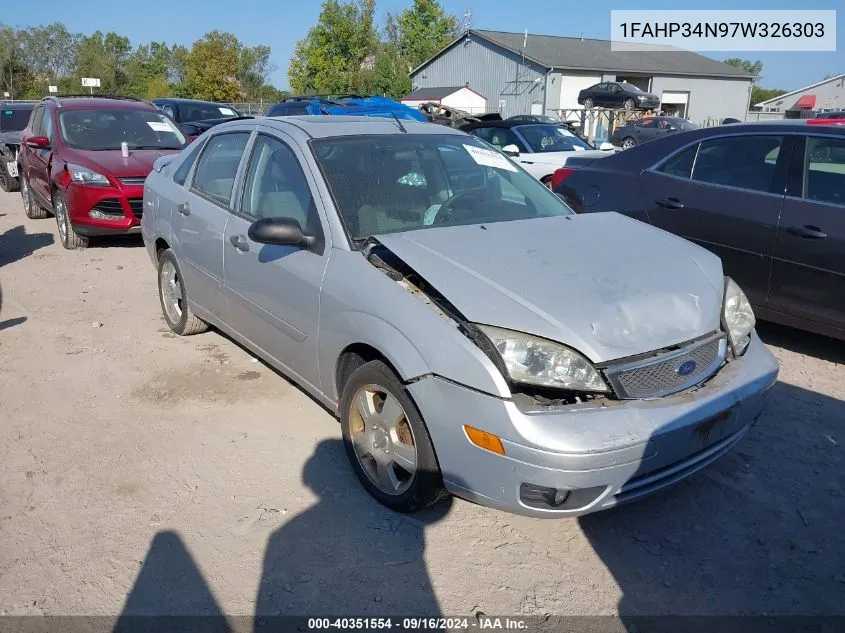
(589, 103)
(629, 104)
(70, 239)
(7, 183)
(628, 142)
(382, 439)
(31, 208)
(174, 298)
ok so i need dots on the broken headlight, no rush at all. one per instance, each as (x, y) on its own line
(738, 317)
(538, 361)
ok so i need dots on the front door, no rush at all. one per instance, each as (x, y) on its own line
(40, 159)
(273, 290)
(808, 274)
(725, 194)
(199, 219)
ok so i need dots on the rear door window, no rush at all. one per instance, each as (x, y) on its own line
(745, 162)
(824, 170)
(218, 165)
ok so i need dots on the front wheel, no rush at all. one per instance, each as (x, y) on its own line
(387, 442)
(628, 143)
(70, 239)
(629, 104)
(589, 103)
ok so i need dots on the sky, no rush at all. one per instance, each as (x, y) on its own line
(280, 23)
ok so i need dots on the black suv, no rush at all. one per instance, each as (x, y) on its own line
(14, 117)
(195, 116)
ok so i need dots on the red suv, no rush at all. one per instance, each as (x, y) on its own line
(85, 159)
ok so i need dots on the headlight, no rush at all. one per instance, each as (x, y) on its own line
(538, 361)
(738, 316)
(641, 97)
(84, 176)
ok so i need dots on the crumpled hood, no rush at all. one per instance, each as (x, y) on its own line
(112, 163)
(10, 138)
(602, 283)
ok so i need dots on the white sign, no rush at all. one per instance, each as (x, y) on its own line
(502, 104)
(53, 89)
(227, 111)
(159, 126)
(90, 82)
(6, 95)
(489, 158)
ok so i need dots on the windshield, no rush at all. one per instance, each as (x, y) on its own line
(395, 183)
(14, 120)
(551, 138)
(202, 111)
(107, 129)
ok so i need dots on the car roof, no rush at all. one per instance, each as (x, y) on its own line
(322, 126)
(18, 105)
(99, 103)
(182, 100)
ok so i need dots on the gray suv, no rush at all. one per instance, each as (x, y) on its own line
(471, 333)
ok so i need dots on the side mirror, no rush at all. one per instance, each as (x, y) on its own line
(607, 147)
(280, 231)
(162, 161)
(511, 150)
(38, 142)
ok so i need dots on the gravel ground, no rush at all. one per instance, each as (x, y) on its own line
(146, 473)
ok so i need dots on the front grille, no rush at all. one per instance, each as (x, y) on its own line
(669, 372)
(109, 206)
(133, 181)
(137, 206)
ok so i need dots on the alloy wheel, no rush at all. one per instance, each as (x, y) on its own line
(27, 202)
(628, 143)
(383, 440)
(61, 218)
(172, 294)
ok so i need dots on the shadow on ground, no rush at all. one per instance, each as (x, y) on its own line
(344, 555)
(759, 532)
(800, 342)
(16, 243)
(117, 241)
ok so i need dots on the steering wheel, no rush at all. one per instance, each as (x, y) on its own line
(445, 212)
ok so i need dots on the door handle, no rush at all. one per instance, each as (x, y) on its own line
(807, 231)
(240, 243)
(183, 208)
(670, 203)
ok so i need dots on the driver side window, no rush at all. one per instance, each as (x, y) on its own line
(276, 186)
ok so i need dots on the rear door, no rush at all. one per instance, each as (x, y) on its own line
(808, 272)
(725, 193)
(274, 290)
(199, 220)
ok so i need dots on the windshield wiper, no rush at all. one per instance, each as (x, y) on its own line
(151, 147)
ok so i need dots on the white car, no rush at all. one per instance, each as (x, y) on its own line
(540, 148)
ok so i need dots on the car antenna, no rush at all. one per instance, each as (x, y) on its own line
(399, 123)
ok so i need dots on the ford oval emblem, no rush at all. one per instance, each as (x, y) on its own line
(686, 368)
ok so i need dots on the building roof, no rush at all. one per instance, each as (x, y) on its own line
(574, 53)
(431, 94)
(805, 89)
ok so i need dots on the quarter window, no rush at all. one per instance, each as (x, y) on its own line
(746, 162)
(276, 186)
(181, 174)
(218, 165)
(824, 171)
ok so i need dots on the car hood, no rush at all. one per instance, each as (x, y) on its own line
(602, 283)
(559, 158)
(10, 138)
(112, 163)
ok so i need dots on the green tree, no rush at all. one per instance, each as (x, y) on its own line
(332, 56)
(46, 50)
(158, 87)
(254, 66)
(104, 57)
(147, 64)
(424, 29)
(15, 76)
(754, 68)
(211, 68)
(758, 94)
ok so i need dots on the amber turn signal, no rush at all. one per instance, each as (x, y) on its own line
(484, 440)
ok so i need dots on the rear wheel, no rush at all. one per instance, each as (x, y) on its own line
(629, 104)
(70, 239)
(174, 298)
(7, 183)
(589, 103)
(387, 442)
(628, 142)
(31, 208)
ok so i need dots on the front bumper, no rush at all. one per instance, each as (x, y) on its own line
(123, 205)
(603, 454)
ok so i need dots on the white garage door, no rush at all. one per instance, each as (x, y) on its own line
(571, 85)
(675, 97)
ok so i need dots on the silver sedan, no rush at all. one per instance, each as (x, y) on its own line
(471, 333)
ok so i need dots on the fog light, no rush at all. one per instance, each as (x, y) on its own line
(559, 497)
(99, 215)
(542, 497)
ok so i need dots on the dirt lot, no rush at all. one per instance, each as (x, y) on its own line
(154, 474)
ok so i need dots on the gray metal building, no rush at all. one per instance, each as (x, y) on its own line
(539, 74)
(827, 95)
